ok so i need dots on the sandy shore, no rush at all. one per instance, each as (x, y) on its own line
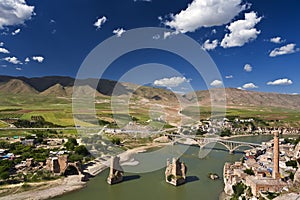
(62, 186)
(50, 190)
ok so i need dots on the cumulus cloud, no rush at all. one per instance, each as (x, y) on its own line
(1, 44)
(248, 68)
(14, 12)
(283, 81)
(169, 34)
(249, 86)
(276, 40)
(18, 68)
(100, 22)
(12, 60)
(229, 76)
(156, 37)
(15, 32)
(216, 83)
(287, 49)
(205, 13)
(171, 82)
(27, 60)
(3, 50)
(241, 31)
(39, 59)
(119, 32)
(210, 45)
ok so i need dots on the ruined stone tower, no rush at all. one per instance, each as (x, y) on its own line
(175, 172)
(116, 171)
(276, 174)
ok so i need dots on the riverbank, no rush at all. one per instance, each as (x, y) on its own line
(47, 190)
(51, 189)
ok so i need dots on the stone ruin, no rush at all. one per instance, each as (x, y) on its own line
(116, 172)
(60, 164)
(175, 172)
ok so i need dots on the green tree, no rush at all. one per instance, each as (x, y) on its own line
(116, 140)
(75, 157)
(81, 150)
(71, 144)
(238, 189)
(249, 172)
(291, 163)
(4, 175)
(225, 132)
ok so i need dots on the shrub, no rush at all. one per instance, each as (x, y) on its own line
(249, 172)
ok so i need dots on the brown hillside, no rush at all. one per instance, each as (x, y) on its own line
(244, 98)
(15, 86)
(56, 90)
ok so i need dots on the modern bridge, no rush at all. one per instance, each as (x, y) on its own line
(230, 145)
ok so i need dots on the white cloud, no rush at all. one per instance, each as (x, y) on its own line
(1, 44)
(14, 12)
(214, 31)
(119, 32)
(249, 86)
(205, 13)
(248, 68)
(229, 76)
(283, 81)
(52, 21)
(39, 59)
(169, 34)
(287, 49)
(241, 31)
(27, 60)
(216, 83)
(171, 82)
(18, 68)
(276, 40)
(156, 37)
(15, 32)
(210, 45)
(12, 60)
(3, 50)
(100, 22)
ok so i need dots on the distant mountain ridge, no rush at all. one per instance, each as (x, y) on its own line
(62, 86)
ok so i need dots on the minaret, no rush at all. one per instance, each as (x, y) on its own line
(276, 174)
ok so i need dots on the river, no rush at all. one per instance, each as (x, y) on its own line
(152, 186)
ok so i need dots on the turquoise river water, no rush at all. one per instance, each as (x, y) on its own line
(152, 186)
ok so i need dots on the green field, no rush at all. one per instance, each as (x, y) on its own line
(59, 111)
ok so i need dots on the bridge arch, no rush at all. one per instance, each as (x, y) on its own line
(71, 169)
(243, 145)
(226, 146)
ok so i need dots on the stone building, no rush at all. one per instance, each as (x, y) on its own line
(274, 184)
(115, 172)
(259, 184)
(175, 172)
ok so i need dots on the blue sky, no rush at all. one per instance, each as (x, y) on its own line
(255, 44)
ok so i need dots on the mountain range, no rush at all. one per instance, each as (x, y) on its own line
(61, 86)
